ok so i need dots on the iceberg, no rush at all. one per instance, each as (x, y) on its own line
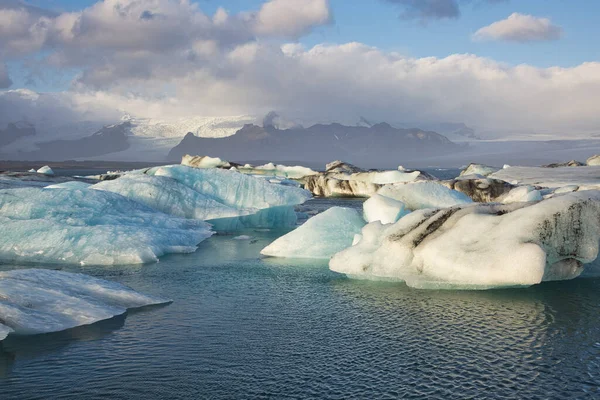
(320, 237)
(521, 194)
(593, 160)
(270, 169)
(204, 162)
(478, 169)
(45, 170)
(72, 226)
(383, 209)
(420, 195)
(480, 246)
(34, 301)
(584, 177)
(479, 188)
(233, 188)
(171, 197)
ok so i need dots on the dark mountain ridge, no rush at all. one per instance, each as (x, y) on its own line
(319, 143)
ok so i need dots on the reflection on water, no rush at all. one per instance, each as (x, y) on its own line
(245, 327)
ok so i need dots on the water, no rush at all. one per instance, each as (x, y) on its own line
(245, 327)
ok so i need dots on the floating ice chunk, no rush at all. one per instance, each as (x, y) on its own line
(292, 172)
(89, 227)
(171, 197)
(204, 162)
(419, 195)
(34, 301)
(32, 170)
(233, 188)
(478, 169)
(242, 237)
(481, 246)
(521, 194)
(46, 170)
(593, 160)
(384, 209)
(320, 237)
(69, 185)
(584, 177)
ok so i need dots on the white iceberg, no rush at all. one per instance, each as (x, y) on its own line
(45, 170)
(171, 197)
(320, 237)
(521, 194)
(420, 195)
(89, 227)
(593, 160)
(34, 301)
(585, 177)
(383, 209)
(291, 172)
(478, 169)
(480, 246)
(204, 162)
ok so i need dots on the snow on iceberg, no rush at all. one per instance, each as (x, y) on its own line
(320, 237)
(420, 195)
(521, 194)
(34, 301)
(480, 246)
(89, 227)
(383, 209)
(171, 197)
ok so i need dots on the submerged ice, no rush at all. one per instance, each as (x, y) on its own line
(34, 301)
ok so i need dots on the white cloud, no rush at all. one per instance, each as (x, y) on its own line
(292, 18)
(520, 28)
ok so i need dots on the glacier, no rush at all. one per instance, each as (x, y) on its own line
(320, 237)
(584, 177)
(82, 226)
(35, 301)
(480, 246)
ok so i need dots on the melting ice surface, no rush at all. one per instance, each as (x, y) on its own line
(89, 227)
(34, 301)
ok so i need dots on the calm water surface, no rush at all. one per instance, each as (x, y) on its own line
(245, 327)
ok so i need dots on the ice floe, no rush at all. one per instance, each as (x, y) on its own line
(45, 170)
(34, 301)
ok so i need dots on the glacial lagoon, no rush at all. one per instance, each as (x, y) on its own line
(242, 326)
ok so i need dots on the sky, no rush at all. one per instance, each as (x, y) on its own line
(525, 66)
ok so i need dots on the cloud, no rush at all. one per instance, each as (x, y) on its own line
(120, 39)
(292, 18)
(425, 10)
(311, 85)
(520, 28)
(5, 81)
